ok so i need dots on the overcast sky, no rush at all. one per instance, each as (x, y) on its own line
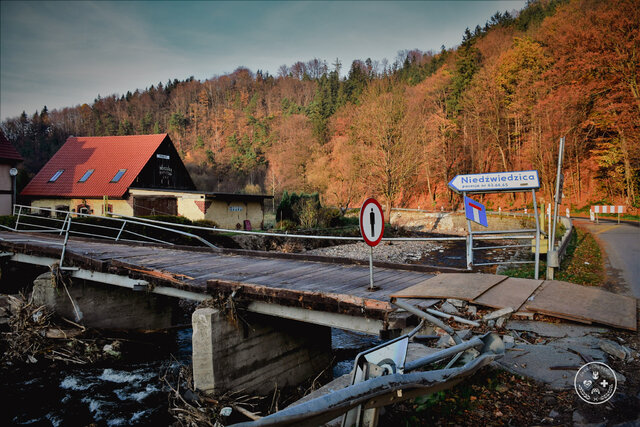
(63, 54)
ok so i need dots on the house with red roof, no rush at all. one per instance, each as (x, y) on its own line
(9, 159)
(134, 175)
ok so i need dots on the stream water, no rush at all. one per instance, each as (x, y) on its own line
(119, 395)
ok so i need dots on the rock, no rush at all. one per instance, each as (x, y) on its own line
(500, 322)
(615, 349)
(472, 309)
(448, 308)
(554, 413)
(457, 303)
(491, 323)
(498, 313)
(447, 340)
(578, 418)
(508, 341)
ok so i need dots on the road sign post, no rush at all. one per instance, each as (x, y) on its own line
(371, 229)
(495, 182)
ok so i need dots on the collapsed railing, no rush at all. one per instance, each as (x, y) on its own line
(381, 377)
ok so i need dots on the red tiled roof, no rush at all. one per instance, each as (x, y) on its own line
(106, 155)
(7, 151)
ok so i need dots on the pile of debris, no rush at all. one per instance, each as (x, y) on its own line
(32, 333)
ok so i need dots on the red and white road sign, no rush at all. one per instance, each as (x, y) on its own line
(608, 209)
(371, 222)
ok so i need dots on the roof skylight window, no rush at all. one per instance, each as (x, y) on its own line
(56, 175)
(118, 175)
(86, 175)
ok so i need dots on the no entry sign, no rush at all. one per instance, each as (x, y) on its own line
(371, 222)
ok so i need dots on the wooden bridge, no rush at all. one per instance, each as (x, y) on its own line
(290, 300)
(322, 290)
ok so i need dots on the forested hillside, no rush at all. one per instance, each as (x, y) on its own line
(401, 130)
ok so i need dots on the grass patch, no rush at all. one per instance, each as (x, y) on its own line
(582, 263)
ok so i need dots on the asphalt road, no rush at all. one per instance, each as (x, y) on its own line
(621, 244)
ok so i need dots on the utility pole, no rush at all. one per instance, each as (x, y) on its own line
(553, 260)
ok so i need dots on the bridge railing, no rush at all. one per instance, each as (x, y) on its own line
(61, 222)
(125, 228)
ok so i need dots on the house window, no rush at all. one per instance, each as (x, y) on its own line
(84, 209)
(118, 175)
(86, 175)
(60, 211)
(56, 175)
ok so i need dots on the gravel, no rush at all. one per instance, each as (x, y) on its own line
(398, 252)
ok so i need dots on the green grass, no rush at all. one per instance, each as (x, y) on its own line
(582, 263)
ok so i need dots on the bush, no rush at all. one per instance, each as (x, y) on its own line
(329, 217)
(286, 225)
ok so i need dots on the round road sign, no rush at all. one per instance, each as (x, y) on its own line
(371, 222)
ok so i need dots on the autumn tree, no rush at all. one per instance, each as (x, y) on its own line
(389, 159)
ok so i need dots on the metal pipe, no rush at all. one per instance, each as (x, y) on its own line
(411, 309)
(371, 286)
(443, 354)
(18, 218)
(507, 262)
(524, 230)
(535, 214)
(64, 245)
(451, 316)
(121, 228)
(552, 241)
(477, 248)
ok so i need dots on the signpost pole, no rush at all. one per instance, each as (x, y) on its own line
(535, 214)
(371, 286)
(552, 254)
(469, 240)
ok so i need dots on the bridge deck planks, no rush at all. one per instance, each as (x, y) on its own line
(195, 268)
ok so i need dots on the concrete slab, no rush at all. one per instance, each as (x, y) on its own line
(554, 330)
(536, 361)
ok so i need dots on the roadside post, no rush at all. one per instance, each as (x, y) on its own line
(552, 256)
(371, 229)
(498, 182)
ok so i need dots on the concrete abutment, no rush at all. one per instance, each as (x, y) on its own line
(257, 356)
(103, 306)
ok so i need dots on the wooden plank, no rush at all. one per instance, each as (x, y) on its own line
(452, 285)
(336, 303)
(586, 304)
(512, 292)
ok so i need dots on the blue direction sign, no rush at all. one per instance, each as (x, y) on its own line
(475, 211)
(494, 182)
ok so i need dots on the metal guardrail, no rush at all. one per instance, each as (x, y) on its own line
(47, 220)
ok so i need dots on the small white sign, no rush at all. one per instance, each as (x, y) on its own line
(235, 208)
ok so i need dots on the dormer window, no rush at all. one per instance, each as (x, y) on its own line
(118, 175)
(56, 175)
(86, 175)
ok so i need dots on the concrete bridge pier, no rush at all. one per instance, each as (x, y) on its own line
(257, 356)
